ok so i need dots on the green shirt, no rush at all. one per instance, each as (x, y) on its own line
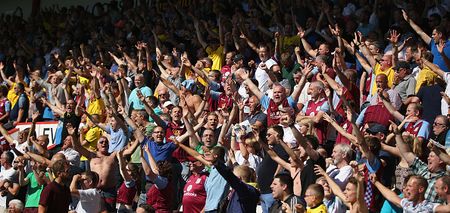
(33, 191)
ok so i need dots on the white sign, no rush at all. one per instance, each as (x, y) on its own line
(42, 128)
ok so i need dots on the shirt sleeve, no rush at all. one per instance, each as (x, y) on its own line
(130, 184)
(265, 101)
(22, 101)
(45, 195)
(411, 89)
(424, 130)
(325, 107)
(161, 182)
(360, 118)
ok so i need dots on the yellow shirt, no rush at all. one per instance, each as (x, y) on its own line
(12, 96)
(216, 56)
(290, 40)
(318, 209)
(92, 136)
(96, 107)
(389, 73)
(425, 77)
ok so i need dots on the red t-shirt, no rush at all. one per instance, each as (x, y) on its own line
(194, 194)
(126, 195)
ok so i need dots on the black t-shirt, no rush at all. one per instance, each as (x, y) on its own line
(73, 119)
(308, 176)
(267, 168)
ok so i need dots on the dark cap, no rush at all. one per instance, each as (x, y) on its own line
(402, 64)
(237, 58)
(375, 128)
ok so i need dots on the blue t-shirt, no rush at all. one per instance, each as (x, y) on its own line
(216, 187)
(438, 60)
(134, 101)
(161, 151)
(118, 140)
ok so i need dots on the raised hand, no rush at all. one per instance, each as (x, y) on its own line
(405, 15)
(319, 171)
(297, 50)
(35, 116)
(301, 32)
(394, 35)
(335, 31)
(70, 129)
(394, 127)
(328, 118)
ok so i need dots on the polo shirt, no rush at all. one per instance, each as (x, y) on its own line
(437, 59)
(406, 87)
(216, 188)
(160, 152)
(133, 99)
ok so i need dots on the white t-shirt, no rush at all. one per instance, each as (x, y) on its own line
(262, 77)
(9, 174)
(304, 97)
(253, 160)
(340, 176)
(90, 201)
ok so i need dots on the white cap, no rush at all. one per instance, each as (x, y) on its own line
(168, 103)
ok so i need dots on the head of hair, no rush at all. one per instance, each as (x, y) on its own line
(218, 74)
(446, 181)
(17, 204)
(59, 166)
(9, 157)
(147, 208)
(165, 169)
(312, 140)
(373, 144)
(278, 129)
(20, 86)
(418, 107)
(428, 55)
(317, 190)
(219, 152)
(346, 149)
(421, 181)
(93, 176)
(244, 172)
(441, 29)
(286, 179)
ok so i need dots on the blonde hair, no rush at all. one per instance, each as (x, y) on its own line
(309, 123)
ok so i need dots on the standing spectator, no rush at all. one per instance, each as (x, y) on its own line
(56, 196)
(89, 195)
(282, 191)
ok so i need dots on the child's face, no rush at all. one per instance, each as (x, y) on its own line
(310, 198)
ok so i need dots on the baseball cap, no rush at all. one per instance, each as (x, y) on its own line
(237, 58)
(375, 128)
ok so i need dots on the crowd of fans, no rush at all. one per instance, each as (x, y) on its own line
(227, 106)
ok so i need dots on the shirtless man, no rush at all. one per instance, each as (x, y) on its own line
(105, 165)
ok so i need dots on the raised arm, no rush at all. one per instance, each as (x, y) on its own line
(77, 145)
(387, 193)
(311, 52)
(404, 148)
(251, 86)
(391, 108)
(433, 68)
(193, 153)
(333, 186)
(199, 34)
(416, 28)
